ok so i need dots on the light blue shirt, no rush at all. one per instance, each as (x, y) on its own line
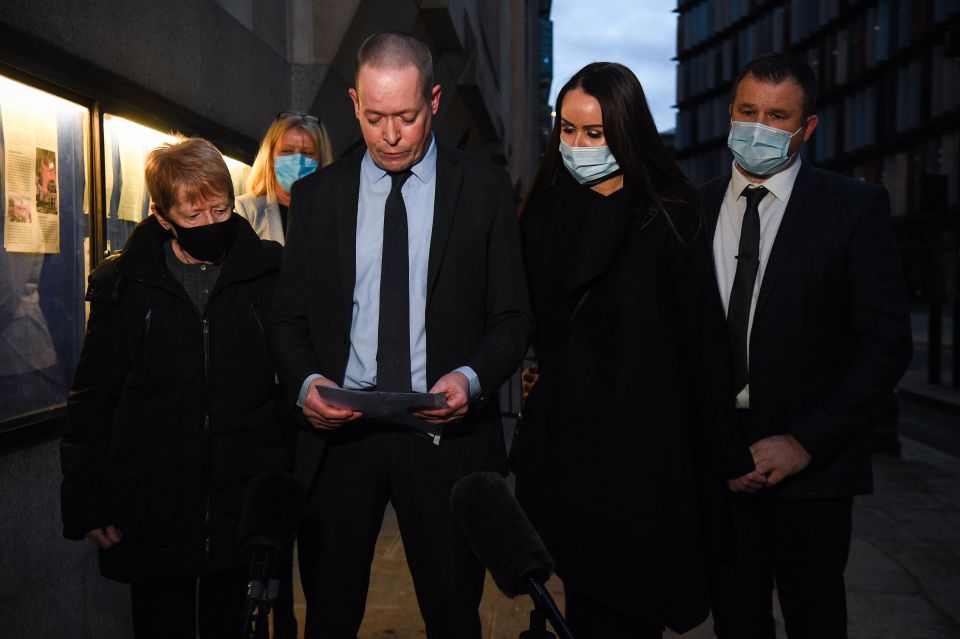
(418, 193)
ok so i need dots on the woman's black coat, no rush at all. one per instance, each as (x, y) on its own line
(171, 413)
(634, 381)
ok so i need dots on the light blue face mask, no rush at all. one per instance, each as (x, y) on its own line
(588, 164)
(290, 168)
(760, 149)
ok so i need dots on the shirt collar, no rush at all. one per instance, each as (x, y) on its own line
(425, 169)
(780, 183)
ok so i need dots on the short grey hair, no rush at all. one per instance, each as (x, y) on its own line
(396, 50)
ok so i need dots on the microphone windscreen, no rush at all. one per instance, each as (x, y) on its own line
(499, 532)
(271, 510)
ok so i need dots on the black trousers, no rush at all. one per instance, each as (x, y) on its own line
(178, 609)
(799, 545)
(589, 618)
(284, 620)
(364, 467)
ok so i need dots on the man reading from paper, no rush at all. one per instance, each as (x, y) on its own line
(402, 271)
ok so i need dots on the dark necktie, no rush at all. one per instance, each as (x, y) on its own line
(741, 295)
(393, 339)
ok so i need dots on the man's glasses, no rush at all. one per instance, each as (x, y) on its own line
(283, 115)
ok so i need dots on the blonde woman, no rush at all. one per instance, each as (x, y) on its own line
(294, 146)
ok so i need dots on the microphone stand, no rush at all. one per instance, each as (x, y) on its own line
(545, 609)
(262, 593)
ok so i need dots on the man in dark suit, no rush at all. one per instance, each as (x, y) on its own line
(816, 309)
(402, 271)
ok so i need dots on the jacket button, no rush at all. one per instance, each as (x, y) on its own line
(344, 339)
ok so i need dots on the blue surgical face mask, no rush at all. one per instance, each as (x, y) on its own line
(588, 164)
(290, 168)
(760, 149)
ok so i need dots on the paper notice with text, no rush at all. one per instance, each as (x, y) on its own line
(133, 188)
(31, 220)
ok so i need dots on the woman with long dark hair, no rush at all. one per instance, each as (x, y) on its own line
(633, 362)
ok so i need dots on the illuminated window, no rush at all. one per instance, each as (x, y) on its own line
(45, 197)
(45, 193)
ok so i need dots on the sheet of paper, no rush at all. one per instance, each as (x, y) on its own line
(389, 407)
(133, 188)
(32, 207)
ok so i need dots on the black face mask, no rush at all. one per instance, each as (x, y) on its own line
(207, 243)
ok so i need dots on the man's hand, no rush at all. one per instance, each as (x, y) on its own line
(106, 537)
(749, 483)
(456, 387)
(325, 416)
(779, 457)
(528, 378)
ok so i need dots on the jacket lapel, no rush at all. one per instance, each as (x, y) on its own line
(449, 178)
(347, 200)
(790, 229)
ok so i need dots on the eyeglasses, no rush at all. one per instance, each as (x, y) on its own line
(283, 115)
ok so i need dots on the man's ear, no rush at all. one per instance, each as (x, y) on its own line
(435, 99)
(356, 101)
(811, 124)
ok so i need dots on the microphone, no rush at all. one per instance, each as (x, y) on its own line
(506, 542)
(268, 525)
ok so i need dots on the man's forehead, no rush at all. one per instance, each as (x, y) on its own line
(752, 89)
(375, 82)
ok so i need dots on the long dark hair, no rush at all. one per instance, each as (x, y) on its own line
(630, 132)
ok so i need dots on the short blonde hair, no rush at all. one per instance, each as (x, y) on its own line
(262, 179)
(192, 163)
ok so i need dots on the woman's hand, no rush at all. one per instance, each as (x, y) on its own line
(106, 537)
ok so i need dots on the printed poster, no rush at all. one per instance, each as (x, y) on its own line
(31, 220)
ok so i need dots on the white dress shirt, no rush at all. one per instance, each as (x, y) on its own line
(726, 239)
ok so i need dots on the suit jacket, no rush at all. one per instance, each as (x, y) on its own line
(263, 216)
(477, 313)
(831, 332)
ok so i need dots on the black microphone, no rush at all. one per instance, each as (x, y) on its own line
(268, 525)
(506, 542)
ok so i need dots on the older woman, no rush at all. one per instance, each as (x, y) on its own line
(294, 146)
(172, 409)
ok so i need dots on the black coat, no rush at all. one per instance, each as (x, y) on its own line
(477, 311)
(831, 334)
(635, 381)
(171, 414)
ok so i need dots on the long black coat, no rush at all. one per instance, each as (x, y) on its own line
(171, 413)
(634, 384)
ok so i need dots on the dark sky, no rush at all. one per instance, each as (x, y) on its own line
(641, 34)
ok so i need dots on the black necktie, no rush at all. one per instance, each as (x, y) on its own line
(393, 339)
(741, 295)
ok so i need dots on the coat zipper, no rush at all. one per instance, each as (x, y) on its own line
(256, 318)
(207, 442)
(206, 435)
